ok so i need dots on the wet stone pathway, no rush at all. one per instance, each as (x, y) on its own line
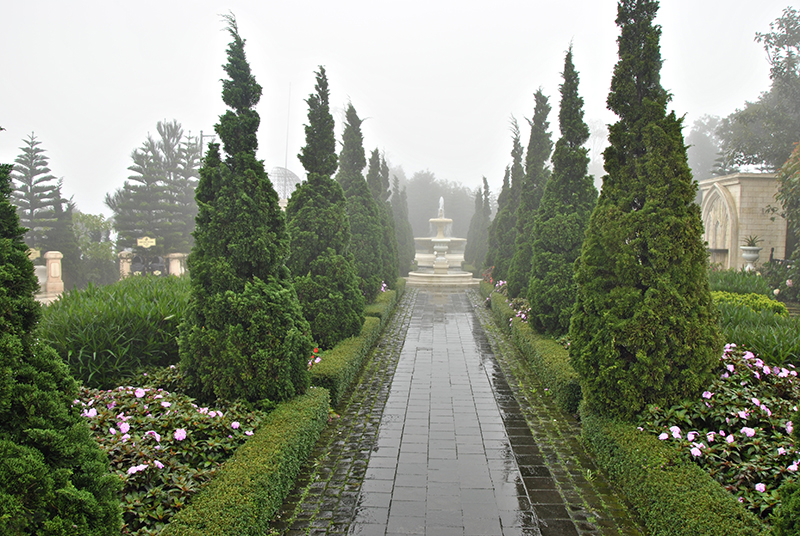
(433, 441)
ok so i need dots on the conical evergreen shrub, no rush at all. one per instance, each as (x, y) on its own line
(244, 335)
(319, 230)
(560, 221)
(644, 330)
(54, 478)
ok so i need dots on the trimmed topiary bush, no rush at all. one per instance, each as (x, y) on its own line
(755, 302)
(244, 335)
(644, 330)
(54, 479)
(107, 333)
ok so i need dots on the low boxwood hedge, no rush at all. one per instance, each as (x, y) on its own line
(382, 307)
(756, 302)
(671, 495)
(339, 366)
(252, 485)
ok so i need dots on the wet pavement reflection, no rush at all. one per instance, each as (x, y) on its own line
(454, 454)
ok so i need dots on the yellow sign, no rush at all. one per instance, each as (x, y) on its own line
(34, 254)
(146, 242)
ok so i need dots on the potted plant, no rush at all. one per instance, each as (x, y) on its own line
(750, 251)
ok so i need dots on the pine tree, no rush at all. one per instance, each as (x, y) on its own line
(363, 211)
(378, 183)
(244, 335)
(644, 330)
(319, 231)
(504, 232)
(561, 219)
(406, 250)
(530, 194)
(158, 199)
(54, 478)
(36, 192)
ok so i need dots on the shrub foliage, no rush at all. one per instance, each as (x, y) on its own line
(644, 328)
(54, 479)
(244, 335)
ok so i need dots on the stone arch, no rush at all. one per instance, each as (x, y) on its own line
(721, 223)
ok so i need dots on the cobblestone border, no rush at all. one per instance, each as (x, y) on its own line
(592, 505)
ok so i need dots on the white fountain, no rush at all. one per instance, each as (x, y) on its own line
(439, 258)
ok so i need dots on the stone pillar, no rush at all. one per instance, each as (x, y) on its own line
(125, 259)
(177, 263)
(54, 284)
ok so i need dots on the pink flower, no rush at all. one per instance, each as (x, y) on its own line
(767, 370)
(710, 437)
(789, 427)
(663, 436)
(729, 439)
(235, 425)
(707, 394)
(139, 392)
(781, 451)
(743, 414)
(180, 434)
(154, 434)
(761, 487)
(696, 452)
(317, 360)
(789, 283)
(158, 464)
(731, 368)
(91, 413)
(165, 404)
(137, 468)
(112, 431)
(748, 355)
(756, 401)
(691, 435)
(212, 413)
(792, 468)
(124, 427)
(749, 432)
(676, 432)
(249, 432)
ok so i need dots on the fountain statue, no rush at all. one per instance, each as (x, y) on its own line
(439, 257)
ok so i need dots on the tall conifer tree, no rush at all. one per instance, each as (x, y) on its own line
(365, 219)
(54, 478)
(490, 262)
(406, 250)
(561, 219)
(319, 230)
(504, 232)
(244, 335)
(530, 194)
(478, 236)
(644, 330)
(378, 182)
(36, 192)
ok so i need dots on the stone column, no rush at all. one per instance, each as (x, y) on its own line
(54, 284)
(125, 259)
(176, 263)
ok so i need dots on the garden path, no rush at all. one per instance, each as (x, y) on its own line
(434, 440)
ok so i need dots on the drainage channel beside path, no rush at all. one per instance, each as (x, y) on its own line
(433, 440)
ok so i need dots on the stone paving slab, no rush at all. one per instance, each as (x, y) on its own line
(434, 441)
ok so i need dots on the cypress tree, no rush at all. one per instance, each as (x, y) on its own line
(36, 192)
(406, 250)
(561, 219)
(530, 194)
(492, 250)
(644, 330)
(505, 223)
(54, 478)
(378, 183)
(478, 236)
(363, 211)
(244, 335)
(319, 229)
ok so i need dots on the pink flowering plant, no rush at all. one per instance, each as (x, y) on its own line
(162, 446)
(739, 430)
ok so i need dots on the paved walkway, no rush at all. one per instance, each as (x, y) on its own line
(434, 441)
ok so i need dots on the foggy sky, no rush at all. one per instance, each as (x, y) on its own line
(436, 81)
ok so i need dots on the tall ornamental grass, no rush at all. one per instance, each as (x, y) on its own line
(107, 333)
(739, 282)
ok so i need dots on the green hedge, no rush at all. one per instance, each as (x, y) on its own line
(739, 282)
(339, 366)
(550, 361)
(671, 495)
(382, 307)
(252, 485)
(756, 302)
